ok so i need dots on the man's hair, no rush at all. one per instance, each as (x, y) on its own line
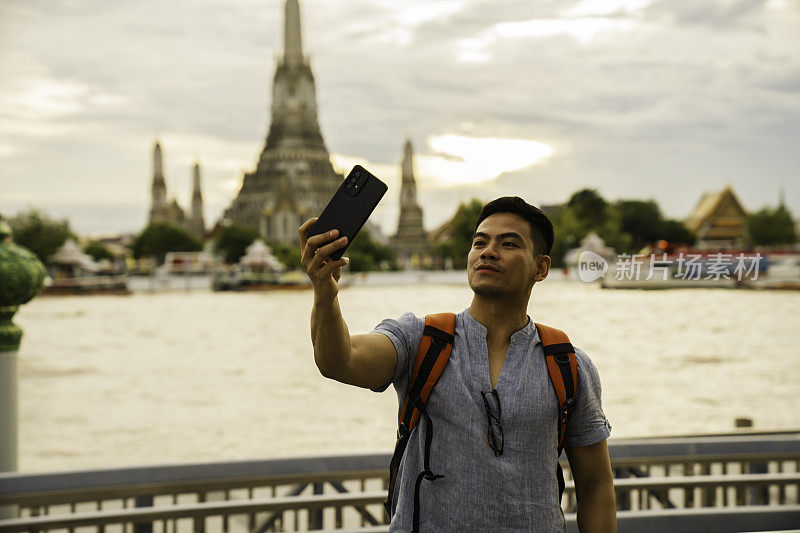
(541, 227)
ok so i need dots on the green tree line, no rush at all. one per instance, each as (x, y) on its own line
(625, 225)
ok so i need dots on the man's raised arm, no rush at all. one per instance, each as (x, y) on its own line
(362, 360)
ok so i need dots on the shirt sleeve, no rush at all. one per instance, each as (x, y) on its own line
(587, 423)
(405, 333)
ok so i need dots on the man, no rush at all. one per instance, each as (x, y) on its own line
(497, 368)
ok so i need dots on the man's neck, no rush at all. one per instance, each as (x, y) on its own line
(500, 317)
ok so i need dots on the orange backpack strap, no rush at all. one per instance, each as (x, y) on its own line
(432, 356)
(563, 369)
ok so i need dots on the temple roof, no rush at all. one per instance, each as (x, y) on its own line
(717, 204)
(71, 254)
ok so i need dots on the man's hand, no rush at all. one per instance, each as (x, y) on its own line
(362, 360)
(323, 271)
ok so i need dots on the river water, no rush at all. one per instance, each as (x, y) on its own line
(202, 376)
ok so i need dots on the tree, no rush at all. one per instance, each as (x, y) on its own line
(232, 241)
(366, 254)
(288, 255)
(39, 233)
(459, 231)
(770, 227)
(159, 238)
(586, 212)
(589, 207)
(674, 231)
(642, 220)
(98, 251)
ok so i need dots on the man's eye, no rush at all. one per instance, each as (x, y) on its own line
(509, 243)
(477, 243)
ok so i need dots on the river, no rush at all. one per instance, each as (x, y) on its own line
(175, 377)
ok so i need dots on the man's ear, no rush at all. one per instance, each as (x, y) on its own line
(542, 268)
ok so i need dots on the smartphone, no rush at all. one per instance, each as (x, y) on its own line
(350, 207)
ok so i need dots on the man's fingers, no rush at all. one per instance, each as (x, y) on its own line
(313, 243)
(338, 272)
(303, 230)
(332, 266)
(329, 248)
(314, 260)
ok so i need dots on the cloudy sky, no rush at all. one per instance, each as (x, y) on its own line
(660, 99)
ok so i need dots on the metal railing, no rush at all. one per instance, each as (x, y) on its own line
(684, 481)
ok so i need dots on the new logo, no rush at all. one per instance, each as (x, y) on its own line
(591, 266)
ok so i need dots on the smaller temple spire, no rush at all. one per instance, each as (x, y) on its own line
(196, 179)
(408, 190)
(293, 45)
(410, 242)
(197, 224)
(408, 161)
(158, 189)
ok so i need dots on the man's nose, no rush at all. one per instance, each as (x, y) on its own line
(489, 252)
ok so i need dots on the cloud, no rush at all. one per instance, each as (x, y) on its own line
(632, 96)
(458, 160)
(584, 30)
(718, 14)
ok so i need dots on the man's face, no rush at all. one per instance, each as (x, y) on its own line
(501, 260)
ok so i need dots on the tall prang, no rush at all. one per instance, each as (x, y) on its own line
(294, 178)
(158, 205)
(410, 242)
(197, 223)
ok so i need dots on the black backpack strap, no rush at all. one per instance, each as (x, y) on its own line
(432, 356)
(562, 366)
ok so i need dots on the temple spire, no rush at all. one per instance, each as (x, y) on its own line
(408, 189)
(158, 189)
(196, 178)
(197, 224)
(410, 242)
(408, 162)
(158, 165)
(293, 46)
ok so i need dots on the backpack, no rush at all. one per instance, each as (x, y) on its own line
(432, 356)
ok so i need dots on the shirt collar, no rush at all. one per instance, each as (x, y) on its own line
(528, 334)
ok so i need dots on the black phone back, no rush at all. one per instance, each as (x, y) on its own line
(350, 207)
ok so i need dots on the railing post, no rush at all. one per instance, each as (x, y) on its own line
(143, 501)
(688, 494)
(21, 277)
(757, 495)
(623, 497)
(315, 515)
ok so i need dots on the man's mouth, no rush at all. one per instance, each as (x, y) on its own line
(487, 267)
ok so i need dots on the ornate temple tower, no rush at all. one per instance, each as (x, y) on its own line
(410, 242)
(158, 205)
(293, 179)
(197, 224)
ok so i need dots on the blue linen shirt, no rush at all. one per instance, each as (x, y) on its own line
(516, 491)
